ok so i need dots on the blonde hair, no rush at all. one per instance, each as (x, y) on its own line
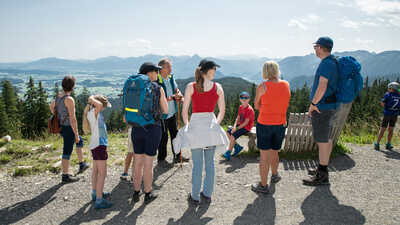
(270, 70)
(198, 77)
(85, 121)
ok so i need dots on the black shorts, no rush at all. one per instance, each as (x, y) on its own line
(270, 136)
(237, 133)
(146, 139)
(322, 125)
(100, 153)
(389, 120)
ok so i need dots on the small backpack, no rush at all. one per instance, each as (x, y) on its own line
(53, 122)
(139, 101)
(350, 81)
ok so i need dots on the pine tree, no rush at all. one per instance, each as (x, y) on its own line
(10, 103)
(43, 112)
(3, 119)
(56, 90)
(30, 110)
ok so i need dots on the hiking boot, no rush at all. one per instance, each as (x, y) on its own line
(321, 178)
(206, 198)
(82, 167)
(191, 200)
(237, 148)
(376, 146)
(67, 178)
(312, 172)
(105, 195)
(177, 159)
(104, 204)
(389, 146)
(149, 197)
(227, 155)
(258, 188)
(124, 176)
(275, 178)
(135, 196)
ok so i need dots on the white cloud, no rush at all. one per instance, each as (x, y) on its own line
(389, 10)
(355, 24)
(364, 42)
(305, 22)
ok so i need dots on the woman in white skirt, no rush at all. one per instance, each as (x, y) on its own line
(203, 134)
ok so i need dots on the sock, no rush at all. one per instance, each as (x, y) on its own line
(81, 164)
(323, 168)
(94, 192)
(98, 201)
(65, 175)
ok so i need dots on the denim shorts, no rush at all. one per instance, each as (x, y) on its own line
(69, 140)
(237, 133)
(270, 136)
(146, 139)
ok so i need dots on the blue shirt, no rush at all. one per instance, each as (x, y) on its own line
(328, 69)
(392, 104)
(170, 92)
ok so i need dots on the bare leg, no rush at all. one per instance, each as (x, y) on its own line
(148, 173)
(65, 166)
(390, 135)
(274, 162)
(380, 135)
(80, 154)
(102, 173)
(94, 175)
(264, 168)
(128, 160)
(232, 142)
(325, 150)
(138, 165)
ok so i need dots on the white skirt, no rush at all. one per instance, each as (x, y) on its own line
(202, 131)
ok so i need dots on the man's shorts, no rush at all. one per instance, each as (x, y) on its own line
(389, 120)
(322, 125)
(69, 140)
(100, 153)
(146, 139)
(270, 136)
(237, 133)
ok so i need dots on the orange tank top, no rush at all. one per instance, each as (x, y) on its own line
(274, 103)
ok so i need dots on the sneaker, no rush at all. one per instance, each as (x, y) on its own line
(191, 200)
(124, 176)
(389, 146)
(105, 195)
(66, 178)
(258, 188)
(321, 178)
(376, 146)
(238, 148)
(149, 197)
(275, 178)
(206, 198)
(82, 167)
(227, 155)
(104, 204)
(135, 196)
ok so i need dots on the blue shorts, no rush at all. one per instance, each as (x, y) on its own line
(146, 139)
(69, 140)
(270, 136)
(237, 133)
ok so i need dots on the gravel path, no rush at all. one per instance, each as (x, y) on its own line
(365, 189)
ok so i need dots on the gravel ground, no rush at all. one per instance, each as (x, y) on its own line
(364, 190)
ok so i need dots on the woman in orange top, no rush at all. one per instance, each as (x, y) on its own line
(272, 101)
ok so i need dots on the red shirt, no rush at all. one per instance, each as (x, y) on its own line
(244, 113)
(204, 101)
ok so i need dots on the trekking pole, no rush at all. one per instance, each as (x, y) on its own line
(178, 104)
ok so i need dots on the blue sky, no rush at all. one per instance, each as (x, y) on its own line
(89, 29)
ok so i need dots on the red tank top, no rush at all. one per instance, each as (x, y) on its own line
(204, 101)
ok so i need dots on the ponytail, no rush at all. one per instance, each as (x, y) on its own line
(198, 76)
(85, 121)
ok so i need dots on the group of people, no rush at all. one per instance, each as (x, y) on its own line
(202, 132)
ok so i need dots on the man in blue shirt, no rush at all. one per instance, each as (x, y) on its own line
(167, 81)
(391, 104)
(323, 108)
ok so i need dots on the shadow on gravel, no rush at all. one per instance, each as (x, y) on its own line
(322, 207)
(261, 211)
(392, 154)
(192, 215)
(20, 210)
(340, 163)
(159, 170)
(237, 163)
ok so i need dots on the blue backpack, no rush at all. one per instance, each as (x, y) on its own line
(138, 101)
(350, 81)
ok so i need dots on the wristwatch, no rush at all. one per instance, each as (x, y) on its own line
(313, 104)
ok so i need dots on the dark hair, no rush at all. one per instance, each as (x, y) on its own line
(198, 77)
(68, 83)
(326, 49)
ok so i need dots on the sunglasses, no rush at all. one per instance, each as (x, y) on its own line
(244, 97)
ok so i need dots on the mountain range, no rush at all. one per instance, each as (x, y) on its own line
(297, 69)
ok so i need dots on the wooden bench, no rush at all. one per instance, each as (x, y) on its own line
(299, 132)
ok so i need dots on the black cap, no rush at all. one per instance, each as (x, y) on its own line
(325, 41)
(205, 65)
(148, 67)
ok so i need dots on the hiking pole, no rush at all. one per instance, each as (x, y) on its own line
(178, 104)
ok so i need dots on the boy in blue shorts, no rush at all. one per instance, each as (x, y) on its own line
(243, 124)
(391, 104)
